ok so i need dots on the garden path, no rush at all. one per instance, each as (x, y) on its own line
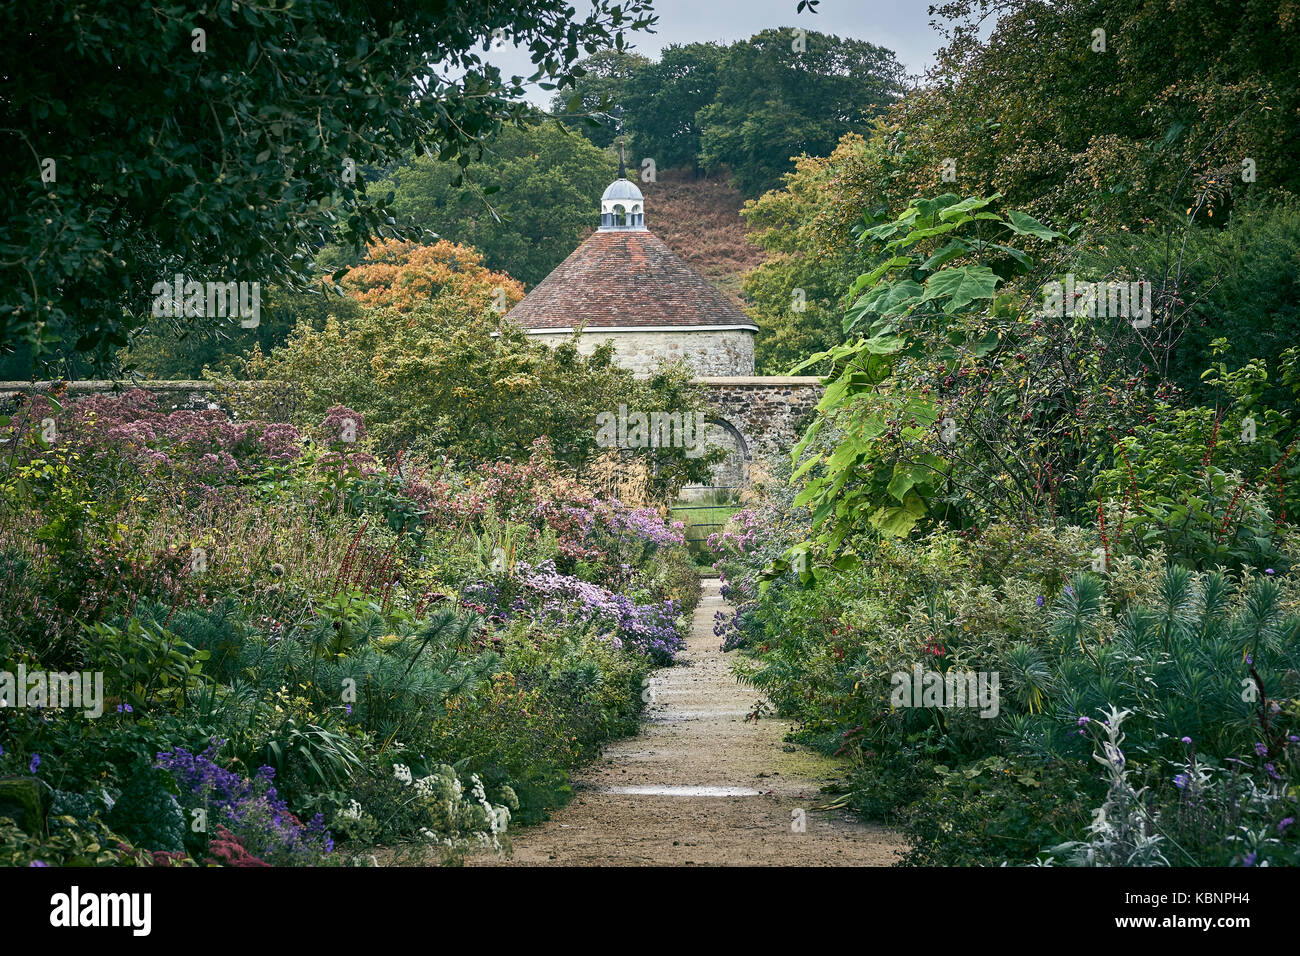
(700, 785)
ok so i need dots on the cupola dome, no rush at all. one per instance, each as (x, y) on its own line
(622, 206)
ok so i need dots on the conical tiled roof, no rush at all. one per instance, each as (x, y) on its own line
(626, 279)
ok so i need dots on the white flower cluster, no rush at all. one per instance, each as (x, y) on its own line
(457, 814)
(429, 787)
(498, 817)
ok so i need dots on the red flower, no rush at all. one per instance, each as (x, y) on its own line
(226, 850)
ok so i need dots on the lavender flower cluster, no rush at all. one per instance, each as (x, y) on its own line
(645, 523)
(740, 534)
(649, 629)
(251, 809)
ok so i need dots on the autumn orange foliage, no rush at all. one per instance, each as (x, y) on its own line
(403, 275)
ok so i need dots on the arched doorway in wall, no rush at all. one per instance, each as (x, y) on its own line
(705, 508)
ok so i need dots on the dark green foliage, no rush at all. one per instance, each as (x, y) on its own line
(664, 99)
(168, 349)
(230, 154)
(775, 102)
(602, 90)
(148, 814)
(534, 196)
(26, 801)
(748, 107)
(1240, 283)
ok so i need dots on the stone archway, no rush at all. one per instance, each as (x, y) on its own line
(729, 475)
(732, 471)
(764, 415)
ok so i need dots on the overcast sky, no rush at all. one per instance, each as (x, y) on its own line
(899, 25)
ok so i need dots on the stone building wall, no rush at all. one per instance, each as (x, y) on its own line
(769, 411)
(723, 352)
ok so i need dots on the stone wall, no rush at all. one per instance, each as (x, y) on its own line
(755, 417)
(768, 411)
(171, 396)
(723, 352)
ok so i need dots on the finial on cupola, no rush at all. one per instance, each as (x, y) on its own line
(622, 150)
(622, 206)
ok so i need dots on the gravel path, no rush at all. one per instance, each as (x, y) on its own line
(699, 785)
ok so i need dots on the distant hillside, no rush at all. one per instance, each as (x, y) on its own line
(699, 218)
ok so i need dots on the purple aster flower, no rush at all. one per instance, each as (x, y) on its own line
(1084, 720)
(1039, 600)
(1180, 781)
(1268, 570)
(35, 762)
(1187, 740)
(1069, 590)
(1249, 860)
(1261, 750)
(1284, 823)
(38, 863)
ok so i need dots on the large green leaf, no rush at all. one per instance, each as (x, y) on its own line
(906, 477)
(961, 286)
(870, 278)
(896, 522)
(952, 250)
(966, 205)
(916, 235)
(1027, 225)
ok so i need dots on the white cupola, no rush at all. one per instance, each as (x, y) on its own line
(622, 206)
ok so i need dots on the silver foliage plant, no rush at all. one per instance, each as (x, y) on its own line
(1121, 832)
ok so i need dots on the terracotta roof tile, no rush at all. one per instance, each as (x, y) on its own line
(625, 279)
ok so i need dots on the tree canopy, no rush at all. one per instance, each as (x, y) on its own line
(228, 140)
(602, 87)
(534, 198)
(779, 97)
(750, 106)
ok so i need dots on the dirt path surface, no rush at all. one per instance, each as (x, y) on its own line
(699, 785)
